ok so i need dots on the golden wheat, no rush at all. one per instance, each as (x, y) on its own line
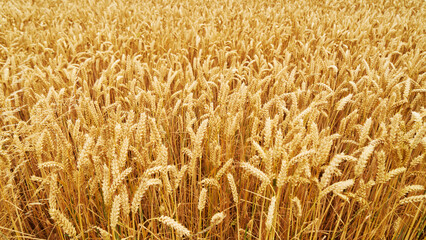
(233, 186)
(217, 218)
(298, 119)
(179, 228)
(271, 210)
(63, 222)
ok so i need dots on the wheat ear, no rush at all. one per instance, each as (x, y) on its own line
(179, 228)
(271, 212)
(63, 222)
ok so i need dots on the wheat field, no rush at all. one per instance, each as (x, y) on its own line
(228, 119)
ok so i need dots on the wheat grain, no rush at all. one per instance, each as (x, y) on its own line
(421, 132)
(217, 218)
(254, 171)
(381, 168)
(63, 222)
(153, 170)
(142, 188)
(125, 201)
(166, 182)
(394, 172)
(209, 182)
(283, 170)
(115, 211)
(365, 131)
(180, 175)
(268, 132)
(104, 234)
(361, 192)
(411, 188)
(413, 199)
(83, 157)
(179, 228)
(301, 156)
(394, 126)
(271, 211)
(363, 159)
(296, 200)
(336, 187)
(233, 187)
(154, 132)
(199, 138)
(418, 160)
(202, 199)
(51, 164)
(324, 150)
(53, 191)
(331, 169)
(397, 224)
(224, 169)
(141, 127)
(162, 156)
(259, 150)
(407, 88)
(116, 183)
(342, 102)
(123, 153)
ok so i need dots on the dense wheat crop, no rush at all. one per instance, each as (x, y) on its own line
(223, 119)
